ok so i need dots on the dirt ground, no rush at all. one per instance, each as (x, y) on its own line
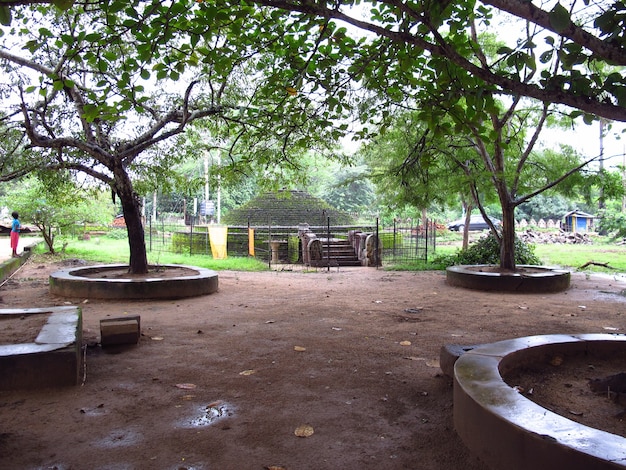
(348, 358)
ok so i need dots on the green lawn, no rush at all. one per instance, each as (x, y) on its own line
(572, 256)
(108, 250)
(575, 256)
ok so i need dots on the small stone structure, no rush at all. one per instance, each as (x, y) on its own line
(362, 243)
(120, 331)
(54, 359)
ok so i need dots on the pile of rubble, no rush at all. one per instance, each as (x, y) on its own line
(562, 237)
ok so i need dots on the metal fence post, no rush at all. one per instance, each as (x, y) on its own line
(376, 250)
(191, 237)
(269, 243)
(328, 243)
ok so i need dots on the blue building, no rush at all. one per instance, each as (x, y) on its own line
(577, 221)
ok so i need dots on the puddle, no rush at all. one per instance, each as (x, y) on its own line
(120, 438)
(211, 413)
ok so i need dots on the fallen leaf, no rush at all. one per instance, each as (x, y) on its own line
(304, 430)
(299, 348)
(156, 338)
(186, 386)
(336, 328)
(275, 467)
(433, 363)
(522, 307)
(247, 372)
(405, 343)
(267, 323)
(556, 361)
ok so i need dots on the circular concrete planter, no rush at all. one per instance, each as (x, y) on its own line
(83, 282)
(527, 278)
(506, 430)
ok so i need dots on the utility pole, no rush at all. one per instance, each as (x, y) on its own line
(601, 203)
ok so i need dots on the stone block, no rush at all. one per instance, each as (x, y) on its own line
(118, 331)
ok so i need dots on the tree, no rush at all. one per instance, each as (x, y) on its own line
(54, 203)
(102, 91)
(575, 40)
(403, 49)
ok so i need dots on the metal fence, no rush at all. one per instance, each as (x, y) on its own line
(401, 242)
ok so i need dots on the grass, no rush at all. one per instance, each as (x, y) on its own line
(108, 250)
(603, 250)
(575, 256)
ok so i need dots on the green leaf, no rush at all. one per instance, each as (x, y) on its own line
(559, 18)
(5, 15)
(63, 4)
(546, 56)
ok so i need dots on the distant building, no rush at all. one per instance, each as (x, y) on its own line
(577, 221)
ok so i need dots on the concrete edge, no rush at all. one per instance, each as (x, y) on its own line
(9, 266)
(550, 279)
(72, 283)
(53, 360)
(507, 430)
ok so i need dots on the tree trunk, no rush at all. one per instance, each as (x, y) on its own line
(131, 208)
(507, 242)
(467, 208)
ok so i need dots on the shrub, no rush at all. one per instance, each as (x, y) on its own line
(613, 223)
(487, 251)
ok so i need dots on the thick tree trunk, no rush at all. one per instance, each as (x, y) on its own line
(131, 207)
(507, 242)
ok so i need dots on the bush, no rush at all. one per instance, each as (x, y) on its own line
(487, 251)
(613, 223)
(117, 234)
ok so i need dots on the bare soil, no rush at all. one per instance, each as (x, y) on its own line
(296, 370)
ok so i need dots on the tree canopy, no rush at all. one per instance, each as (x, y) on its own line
(101, 87)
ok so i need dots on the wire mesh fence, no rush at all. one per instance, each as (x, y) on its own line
(302, 246)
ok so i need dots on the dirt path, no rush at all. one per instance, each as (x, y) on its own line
(224, 381)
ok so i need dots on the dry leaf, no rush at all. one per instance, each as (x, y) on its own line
(299, 348)
(304, 430)
(556, 361)
(156, 338)
(186, 386)
(247, 372)
(405, 343)
(275, 467)
(433, 363)
(291, 91)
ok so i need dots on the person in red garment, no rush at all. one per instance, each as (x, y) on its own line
(15, 233)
